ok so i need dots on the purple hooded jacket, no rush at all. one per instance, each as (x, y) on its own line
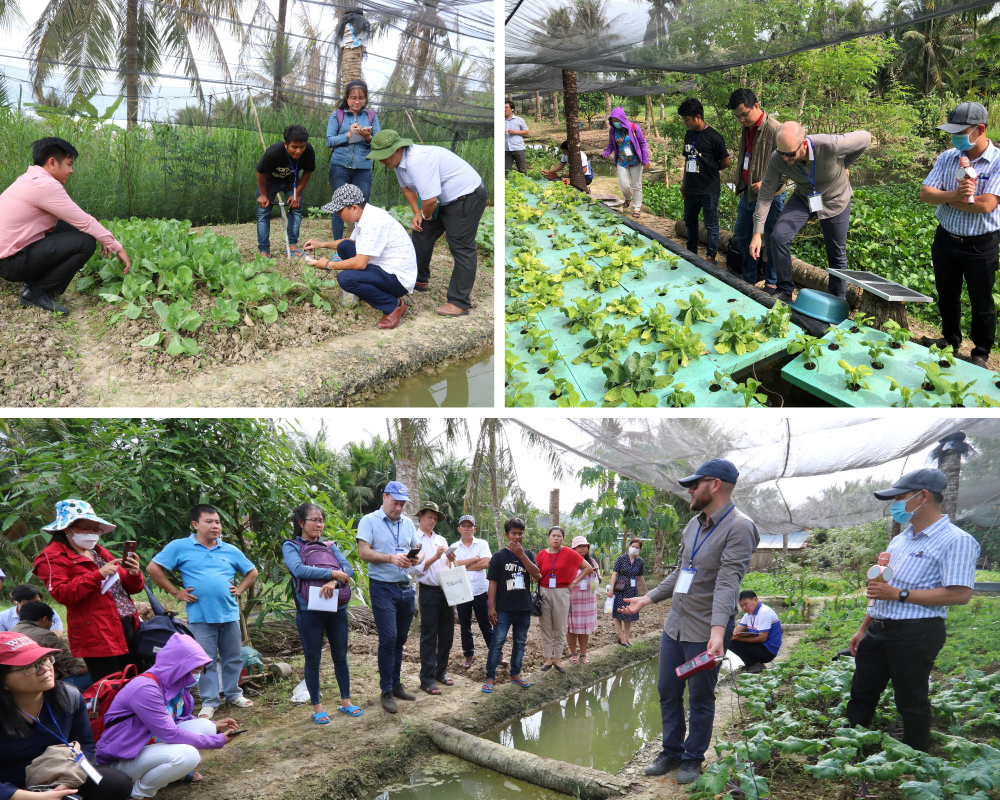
(147, 700)
(634, 132)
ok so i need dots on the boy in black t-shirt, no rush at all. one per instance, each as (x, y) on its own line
(285, 167)
(705, 155)
(510, 574)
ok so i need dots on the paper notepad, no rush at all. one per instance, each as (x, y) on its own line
(109, 581)
(318, 603)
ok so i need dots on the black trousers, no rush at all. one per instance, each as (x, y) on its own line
(977, 264)
(460, 220)
(114, 785)
(905, 655)
(751, 653)
(102, 666)
(479, 604)
(512, 158)
(437, 632)
(49, 264)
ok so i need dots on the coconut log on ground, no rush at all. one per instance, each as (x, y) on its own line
(570, 779)
(811, 278)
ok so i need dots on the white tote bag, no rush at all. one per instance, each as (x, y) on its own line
(455, 584)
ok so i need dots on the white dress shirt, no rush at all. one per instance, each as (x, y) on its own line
(436, 172)
(478, 549)
(386, 243)
(428, 576)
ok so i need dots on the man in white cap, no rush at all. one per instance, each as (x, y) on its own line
(386, 539)
(377, 263)
(473, 554)
(966, 193)
(903, 632)
(716, 547)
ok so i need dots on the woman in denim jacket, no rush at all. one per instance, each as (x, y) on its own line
(348, 162)
(307, 522)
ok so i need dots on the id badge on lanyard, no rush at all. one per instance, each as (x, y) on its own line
(815, 202)
(692, 164)
(684, 580)
(633, 583)
(518, 581)
(746, 160)
(552, 581)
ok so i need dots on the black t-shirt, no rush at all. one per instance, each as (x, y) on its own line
(503, 567)
(710, 152)
(277, 166)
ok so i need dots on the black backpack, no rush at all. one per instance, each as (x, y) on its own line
(153, 634)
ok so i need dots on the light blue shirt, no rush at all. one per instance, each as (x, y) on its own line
(514, 142)
(942, 176)
(208, 573)
(386, 536)
(9, 618)
(436, 172)
(940, 555)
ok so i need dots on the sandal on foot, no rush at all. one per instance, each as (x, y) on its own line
(546, 667)
(447, 681)
(321, 717)
(574, 659)
(520, 682)
(430, 689)
(635, 215)
(192, 777)
(297, 252)
(241, 702)
(584, 659)
(487, 688)
(351, 711)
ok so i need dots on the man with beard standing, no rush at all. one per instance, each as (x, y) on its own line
(716, 547)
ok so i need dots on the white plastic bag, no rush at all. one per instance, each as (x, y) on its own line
(609, 604)
(301, 693)
(349, 300)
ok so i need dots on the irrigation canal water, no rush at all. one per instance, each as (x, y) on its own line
(602, 727)
(462, 384)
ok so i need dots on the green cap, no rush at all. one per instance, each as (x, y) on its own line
(427, 505)
(385, 143)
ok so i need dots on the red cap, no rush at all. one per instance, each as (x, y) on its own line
(17, 650)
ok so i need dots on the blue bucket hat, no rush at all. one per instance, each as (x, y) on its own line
(69, 511)
(396, 490)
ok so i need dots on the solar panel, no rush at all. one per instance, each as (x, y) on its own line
(881, 287)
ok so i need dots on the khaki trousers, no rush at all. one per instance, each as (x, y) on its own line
(555, 615)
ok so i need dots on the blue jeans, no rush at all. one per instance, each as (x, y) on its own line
(81, 682)
(701, 697)
(392, 607)
(362, 178)
(520, 621)
(743, 233)
(708, 205)
(222, 639)
(372, 284)
(312, 625)
(264, 216)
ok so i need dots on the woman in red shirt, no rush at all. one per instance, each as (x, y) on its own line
(74, 568)
(562, 569)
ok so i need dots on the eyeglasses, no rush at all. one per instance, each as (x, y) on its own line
(315, 519)
(45, 662)
(743, 116)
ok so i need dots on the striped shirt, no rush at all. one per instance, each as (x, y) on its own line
(940, 555)
(942, 176)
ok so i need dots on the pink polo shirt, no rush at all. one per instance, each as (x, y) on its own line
(31, 206)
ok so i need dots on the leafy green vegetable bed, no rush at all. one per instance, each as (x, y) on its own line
(798, 742)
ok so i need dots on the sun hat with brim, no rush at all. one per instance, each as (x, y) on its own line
(69, 511)
(933, 480)
(346, 195)
(427, 505)
(385, 143)
(579, 540)
(17, 650)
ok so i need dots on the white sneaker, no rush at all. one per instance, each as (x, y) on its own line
(207, 712)
(242, 702)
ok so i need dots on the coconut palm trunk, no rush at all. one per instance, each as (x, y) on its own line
(577, 179)
(132, 63)
(279, 53)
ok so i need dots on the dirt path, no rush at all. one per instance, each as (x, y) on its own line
(309, 357)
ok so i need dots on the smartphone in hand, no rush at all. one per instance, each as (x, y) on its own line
(414, 552)
(129, 548)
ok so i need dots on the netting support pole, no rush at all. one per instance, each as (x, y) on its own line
(407, 112)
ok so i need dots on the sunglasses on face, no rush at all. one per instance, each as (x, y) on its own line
(794, 153)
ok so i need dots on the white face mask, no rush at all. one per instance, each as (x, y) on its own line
(633, 551)
(88, 541)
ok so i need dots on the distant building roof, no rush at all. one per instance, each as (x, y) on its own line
(773, 541)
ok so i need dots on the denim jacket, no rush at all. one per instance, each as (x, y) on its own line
(290, 550)
(352, 156)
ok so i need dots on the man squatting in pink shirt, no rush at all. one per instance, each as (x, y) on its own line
(46, 238)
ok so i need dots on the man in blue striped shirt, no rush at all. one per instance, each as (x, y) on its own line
(934, 566)
(966, 240)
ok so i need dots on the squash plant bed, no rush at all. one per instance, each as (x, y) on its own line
(902, 380)
(615, 293)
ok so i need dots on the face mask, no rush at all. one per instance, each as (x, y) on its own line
(899, 512)
(616, 123)
(633, 551)
(88, 541)
(960, 141)
(194, 680)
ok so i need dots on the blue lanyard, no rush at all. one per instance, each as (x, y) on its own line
(395, 535)
(295, 170)
(697, 544)
(56, 733)
(694, 144)
(813, 179)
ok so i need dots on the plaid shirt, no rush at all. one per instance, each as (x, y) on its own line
(940, 555)
(942, 176)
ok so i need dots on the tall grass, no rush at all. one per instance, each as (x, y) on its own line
(204, 174)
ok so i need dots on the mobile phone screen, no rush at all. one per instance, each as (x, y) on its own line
(414, 552)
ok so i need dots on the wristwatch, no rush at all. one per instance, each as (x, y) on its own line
(903, 595)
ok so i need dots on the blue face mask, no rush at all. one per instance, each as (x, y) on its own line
(960, 141)
(616, 123)
(194, 681)
(899, 512)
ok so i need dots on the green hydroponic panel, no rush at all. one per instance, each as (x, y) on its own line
(827, 380)
(665, 282)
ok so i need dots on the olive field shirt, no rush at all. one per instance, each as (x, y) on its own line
(722, 561)
(763, 145)
(832, 156)
(65, 663)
